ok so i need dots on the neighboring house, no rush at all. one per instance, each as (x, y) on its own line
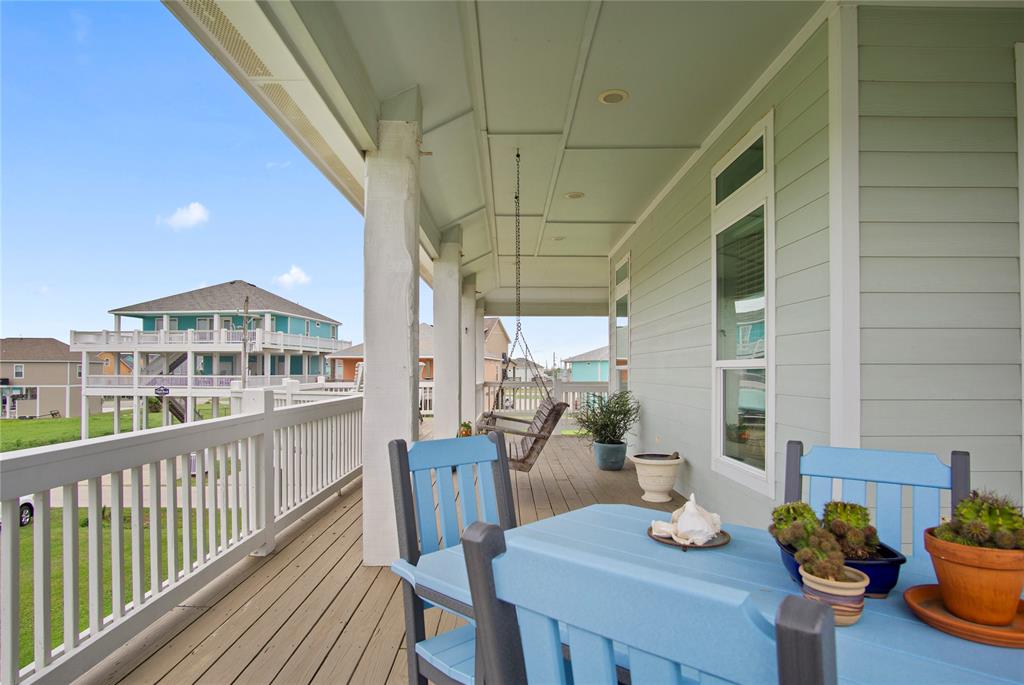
(344, 364)
(496, 342)
(194, 345)
(525, 370)
(590, 366)
(39, 376)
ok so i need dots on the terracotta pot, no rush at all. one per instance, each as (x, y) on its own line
(978, 584)
(656, 474)
(846, 597)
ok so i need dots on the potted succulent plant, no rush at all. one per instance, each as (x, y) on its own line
(606, 420)
(828, 580)
(850, 524)
(978, 558)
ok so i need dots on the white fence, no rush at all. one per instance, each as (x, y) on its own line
(200, 497)
(526, 396)
(347, 387)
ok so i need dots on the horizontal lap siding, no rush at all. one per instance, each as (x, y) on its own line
(670, 319)
(940, 303)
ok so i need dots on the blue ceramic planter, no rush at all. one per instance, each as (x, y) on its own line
(610, 457)
(883, 573)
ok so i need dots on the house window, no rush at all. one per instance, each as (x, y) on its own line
(204, 323)
(106, 362)
(78, 370)
(742, 219)
(334, 332)
(19, 370)
(307, 326)
(622, 324)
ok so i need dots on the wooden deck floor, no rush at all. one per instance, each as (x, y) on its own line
(312, 613)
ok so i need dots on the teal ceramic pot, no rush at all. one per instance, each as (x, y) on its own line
(610, 457)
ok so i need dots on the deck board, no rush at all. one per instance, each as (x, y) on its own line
(312, 613)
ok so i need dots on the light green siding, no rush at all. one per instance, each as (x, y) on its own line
(940, 304)
(670, 332)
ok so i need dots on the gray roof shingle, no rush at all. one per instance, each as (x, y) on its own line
(36, 350)
(224, 297)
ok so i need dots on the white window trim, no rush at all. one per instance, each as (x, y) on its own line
(757, 192)
(19, 366)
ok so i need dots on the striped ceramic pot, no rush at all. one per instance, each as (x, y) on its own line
(846, 597)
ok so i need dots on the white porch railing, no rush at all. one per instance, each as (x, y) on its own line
(257, 338)
(332, 388)
(200, 497)
(526, 396)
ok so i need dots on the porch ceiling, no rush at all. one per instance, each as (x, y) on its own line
(494, 76)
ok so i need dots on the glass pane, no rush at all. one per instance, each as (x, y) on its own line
(743, 403)
(622, 327)
(740, 271)
(622, 273)
(745, 167)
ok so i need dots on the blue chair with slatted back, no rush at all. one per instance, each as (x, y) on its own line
(890, 471)
(532, 596)
(440, 487)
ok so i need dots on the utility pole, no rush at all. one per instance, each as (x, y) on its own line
(245, 340)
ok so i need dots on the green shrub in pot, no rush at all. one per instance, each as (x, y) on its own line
(606, 420)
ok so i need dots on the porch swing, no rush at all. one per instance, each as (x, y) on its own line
(522, 453)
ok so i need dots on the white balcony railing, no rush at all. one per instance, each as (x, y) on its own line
(526, 396)
(195, 498)
(257, 339)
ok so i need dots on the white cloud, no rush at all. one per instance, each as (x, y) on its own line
(189, 216)
(293, 277)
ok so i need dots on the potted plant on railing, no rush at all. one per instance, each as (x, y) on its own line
(828, 580)
(606, 420)
(978, 558)
(850, 523)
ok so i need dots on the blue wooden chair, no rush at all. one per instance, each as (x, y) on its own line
(430, 512)
(533, 598)
(890, 471)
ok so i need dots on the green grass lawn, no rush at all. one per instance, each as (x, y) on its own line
(26, 621)
(18, 434)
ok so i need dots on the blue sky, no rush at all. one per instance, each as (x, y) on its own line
(133, 167)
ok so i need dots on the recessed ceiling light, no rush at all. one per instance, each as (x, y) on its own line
(575, 195)
(614, 96)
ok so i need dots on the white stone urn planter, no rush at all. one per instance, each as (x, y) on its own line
(657, 475)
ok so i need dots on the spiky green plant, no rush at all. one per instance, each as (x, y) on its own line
(822, 556)
(793, 523)
(606, 420)
(984, 519)
(851, 524)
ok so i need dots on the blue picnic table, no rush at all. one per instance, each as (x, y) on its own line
(888, 645)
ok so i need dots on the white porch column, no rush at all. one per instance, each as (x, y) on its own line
(844, 227)
(117, 398)
(447, 294)
(469, 351)
(478, 393)
(214, 407)
(266, 363)
(167, 322)
(190, 361)
(391, 323)
(165, 411)
(85, 398)
(216, 322)
(117, 323)
(287, 364)
(190, 409)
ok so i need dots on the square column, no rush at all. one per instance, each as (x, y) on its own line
(469, 349)
(447, 337)
(85, 398)
(391, 325)
(480, 351)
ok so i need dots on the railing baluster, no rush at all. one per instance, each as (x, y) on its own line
(233, 454)
(171, 518)
(41, 577)
(211, 495)
(95, 539)
(138, 596)
(9, 598)
(69, 533)
(117, 544)
(200, 508)
(243, 487)
(155, 584)
(303, 461)
(186, 513)
(222, 502)
(278, 471)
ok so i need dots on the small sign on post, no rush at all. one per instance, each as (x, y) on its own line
(162, 391)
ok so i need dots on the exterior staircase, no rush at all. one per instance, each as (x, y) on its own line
(177, 407)
(156, 367)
